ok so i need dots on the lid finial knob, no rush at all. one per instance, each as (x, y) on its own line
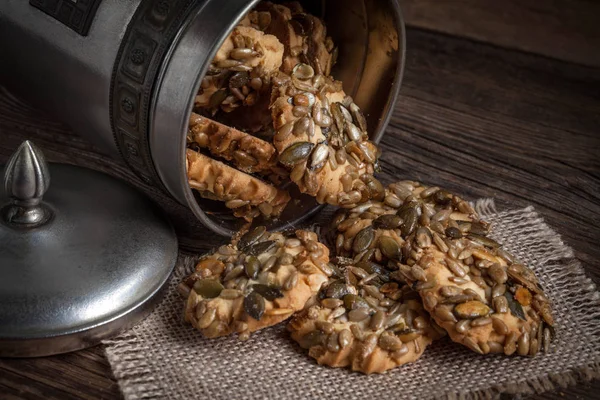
(26, 179)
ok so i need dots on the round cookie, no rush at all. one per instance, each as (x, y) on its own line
(247, 195)
(370, 326)
(255, 282)
(483, 297)
(321, 137)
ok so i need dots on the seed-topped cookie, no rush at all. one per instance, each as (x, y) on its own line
(248, 196)
(321, 136)
(370, 326)
(473, 288)
(255, 282)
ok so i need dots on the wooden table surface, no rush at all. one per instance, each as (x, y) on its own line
(500, 99)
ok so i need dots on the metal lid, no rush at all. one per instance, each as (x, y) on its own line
(80, 265)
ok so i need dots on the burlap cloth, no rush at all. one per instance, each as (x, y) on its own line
(163, 358)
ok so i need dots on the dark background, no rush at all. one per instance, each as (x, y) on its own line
(499, 99)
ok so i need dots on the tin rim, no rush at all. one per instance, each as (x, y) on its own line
(168, 101)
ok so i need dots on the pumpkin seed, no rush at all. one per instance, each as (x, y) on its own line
(352, 301)
(252, 267)
(387, 221)
(339, 290)
(217, 98)
(208, 288)
(377, 321)
(363, 239)
(261, 247)
(389, 248)
(295, 153)
(311, 339)
(515, 308)
(254, 305)
(268, 292)
(471, 310)
(251, 237)
(409, 218)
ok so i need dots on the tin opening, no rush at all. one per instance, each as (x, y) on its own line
(369, 35)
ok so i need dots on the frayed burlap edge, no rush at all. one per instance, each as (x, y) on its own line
(538, 385)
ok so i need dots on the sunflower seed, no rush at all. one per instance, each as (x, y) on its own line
(390, 342)
(207, 319)
(448, 291)
(483, 321)
(510, 344)
(291, 281)
(470, 343)
(445, 314)
(401, 352)
(547, 339)
(497, 273)
(453, 233)
(462, 326)
(523, 344)
(331, 303)
(500, 304)
(455, 268)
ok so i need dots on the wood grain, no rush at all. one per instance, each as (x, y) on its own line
(563, 29)
(479, 119)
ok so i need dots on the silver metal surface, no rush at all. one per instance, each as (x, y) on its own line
(26, 179)
(61, 71)
(96, 268)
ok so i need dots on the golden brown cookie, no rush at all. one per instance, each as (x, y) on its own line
(245, 194)
(322, 139)
(256, 282)
(370, 326)
(248, 153)
(474, 289)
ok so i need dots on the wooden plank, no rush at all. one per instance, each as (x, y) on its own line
(563, 29)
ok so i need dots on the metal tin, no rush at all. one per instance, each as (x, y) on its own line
(88, 260)
(129, 84)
